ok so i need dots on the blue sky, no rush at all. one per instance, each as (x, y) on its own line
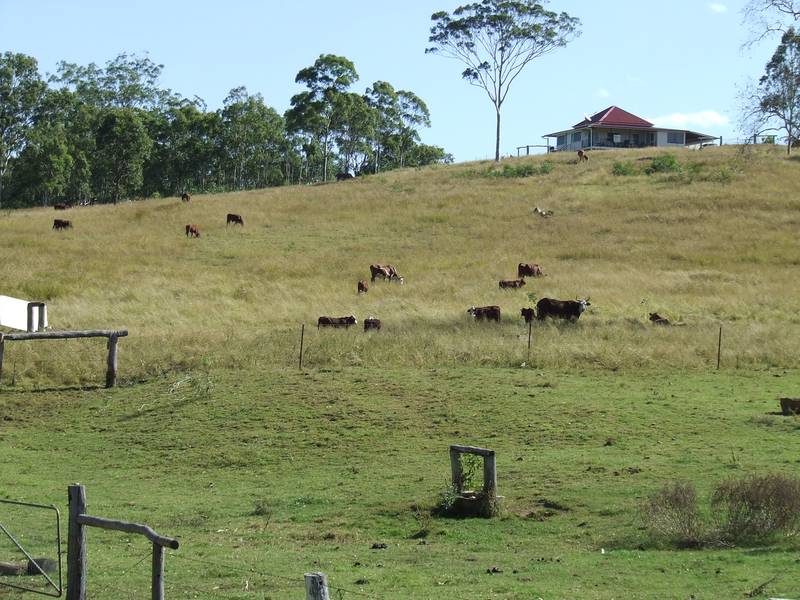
(677, 63)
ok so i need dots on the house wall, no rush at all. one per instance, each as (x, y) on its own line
(662, 139)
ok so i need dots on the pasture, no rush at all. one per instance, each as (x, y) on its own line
(265, 472)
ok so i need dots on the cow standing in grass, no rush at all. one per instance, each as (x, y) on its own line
(570, 310)
(235, 219)
(488, 313)
(192, 231)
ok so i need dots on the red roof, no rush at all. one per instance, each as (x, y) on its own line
(613, 116)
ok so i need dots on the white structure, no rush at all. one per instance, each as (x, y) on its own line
(23, 315)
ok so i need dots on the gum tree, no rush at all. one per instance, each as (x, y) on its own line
(496, 39)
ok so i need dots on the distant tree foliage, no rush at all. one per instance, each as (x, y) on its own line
(496, 39)
(769, 17)
(109, 133)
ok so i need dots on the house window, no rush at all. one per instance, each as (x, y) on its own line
(561, 140)
(674, 137)
(576, 137)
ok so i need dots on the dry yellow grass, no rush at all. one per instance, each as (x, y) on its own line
(714, 245)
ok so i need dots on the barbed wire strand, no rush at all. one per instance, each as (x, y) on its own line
(238, 568)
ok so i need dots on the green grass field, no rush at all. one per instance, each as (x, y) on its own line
(265, 472)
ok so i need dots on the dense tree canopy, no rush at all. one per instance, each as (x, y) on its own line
(110, 133)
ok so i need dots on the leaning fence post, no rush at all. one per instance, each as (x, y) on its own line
(158, 572)
(316, 586)
(76, 544)
(111, 372)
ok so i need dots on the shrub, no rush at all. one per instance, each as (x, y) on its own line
(671, 514)
(757, 507)
(666, 163)
(622, 169)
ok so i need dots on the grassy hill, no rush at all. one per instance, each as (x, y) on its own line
(266, 472)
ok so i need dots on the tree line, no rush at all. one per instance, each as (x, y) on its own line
(104, 134)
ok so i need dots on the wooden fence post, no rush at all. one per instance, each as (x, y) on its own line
(490, 474)
(455, 470)
(158, 572)
(719, 346)
(76, 544)
(316, 586)
(2, 349)
(111, 372)
(302, 334)
(530, 329)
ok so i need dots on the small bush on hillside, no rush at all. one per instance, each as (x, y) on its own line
(525, 170)
(666, 163)
(671, 514)
(624, 169)
(757, 507)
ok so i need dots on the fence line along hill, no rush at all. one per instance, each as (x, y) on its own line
(705, 238)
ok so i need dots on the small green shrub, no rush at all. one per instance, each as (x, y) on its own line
(666, 163)
(624, 169)
(545, 168)
(671, 514)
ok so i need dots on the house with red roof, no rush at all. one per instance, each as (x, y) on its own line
(617, 128)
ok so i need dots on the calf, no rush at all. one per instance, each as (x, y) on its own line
(235, 219)
(372, 323)
(192, 231)
(583, 156)
(511, 283)
(657, 319)
(560, 309)
(336, 321)
(385, 272)
(528, 314)
(529, 270)
(363, 286)
(489, 313)
(59, 224)
(186, 196)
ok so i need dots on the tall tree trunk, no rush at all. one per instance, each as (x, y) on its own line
(497, 137)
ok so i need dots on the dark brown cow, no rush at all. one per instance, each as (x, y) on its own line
(235, 219)
(59, 224)
(489, 313)
(529, 270)
(560, 309)
(336, 321)
(186, 196)
(343, 176)
(528, 314)
(657, 319)
(511, 283)
(790, 406)
(372, 323)
(61, 206)
(192, 231)
(583, 156)
(384, 272)
(363, 286)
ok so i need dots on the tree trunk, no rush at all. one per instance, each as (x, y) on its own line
(497, 138)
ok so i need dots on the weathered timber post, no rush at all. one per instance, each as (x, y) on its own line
(111, 372)
(2, 349)
(484, 503)
(76, 544)
(158, 572)
(530, 330)
(455, 469)
(490, 474)
(719, 346)
(316, 586)
(302, 334)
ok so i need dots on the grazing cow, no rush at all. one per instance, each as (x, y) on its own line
(529, 270)
(192, 231)
(528, 314)
(385, 272)
(790, 406)
(560, 309)
(511, 283)
(489, 313)
(59, 224)
(343, 176)
(583, 156)
(363, 286)
(235, 219)
(542, 213)
(61, 206)
(372, 323)
(186, 197)
(336, 321)
(657, 319)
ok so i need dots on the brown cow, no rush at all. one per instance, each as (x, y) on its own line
(59, 224)
(186, 196)
(372, 323)
(560, 309)
(790, 406)
(235, 219)
(490, 313)
(528, 314)
(61, 206)
(529, 270)
(336, 321)
(192, 231)
(657, 319)
(511, 283)
(363, 286)
(385, 272)
(343, 176)
(583, 156)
